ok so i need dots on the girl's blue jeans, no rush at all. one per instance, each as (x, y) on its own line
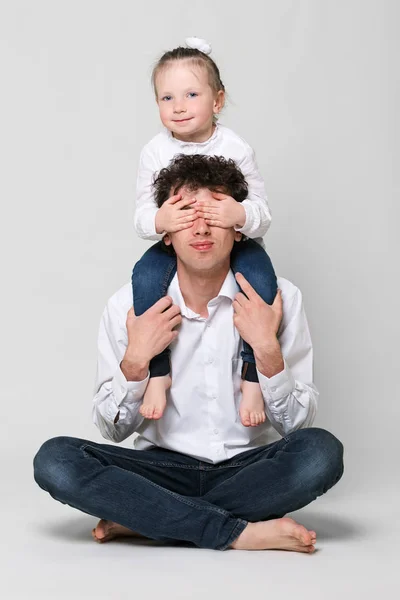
(171, 497)
(154, 272)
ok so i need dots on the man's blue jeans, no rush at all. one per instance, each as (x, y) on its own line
(167, 496)
(154, 272)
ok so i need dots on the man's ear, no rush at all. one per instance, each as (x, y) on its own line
(238, 236)
(167, 240)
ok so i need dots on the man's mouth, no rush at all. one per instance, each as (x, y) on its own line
(202, 246)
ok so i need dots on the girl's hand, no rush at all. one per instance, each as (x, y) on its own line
(224, 211)
(175, 214)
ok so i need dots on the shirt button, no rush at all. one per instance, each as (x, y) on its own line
(273, 389)
(216, 431)
(214, 397)
(210, 360)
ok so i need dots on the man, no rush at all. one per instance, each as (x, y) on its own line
(197, 474)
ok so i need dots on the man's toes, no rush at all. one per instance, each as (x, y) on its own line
(305, 549)
(305, 537)
(94, 536)
(99, 533)
(301, 534)
(313, 537)
(157, 414)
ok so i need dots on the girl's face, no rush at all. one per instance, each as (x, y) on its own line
(186, 101)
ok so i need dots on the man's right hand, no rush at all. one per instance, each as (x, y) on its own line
(175, 214)
(151, 333)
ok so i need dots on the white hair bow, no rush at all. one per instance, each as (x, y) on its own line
(198, 44)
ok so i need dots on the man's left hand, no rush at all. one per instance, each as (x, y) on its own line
(256, 321)
(223, 211)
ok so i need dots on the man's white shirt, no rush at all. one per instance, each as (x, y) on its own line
(201, 418)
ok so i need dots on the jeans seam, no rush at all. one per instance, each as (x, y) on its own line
(165, 463)
(202, 482)
(236, 531)
(167, 278)
(143, 462)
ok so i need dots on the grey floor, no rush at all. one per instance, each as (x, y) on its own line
(48, 553)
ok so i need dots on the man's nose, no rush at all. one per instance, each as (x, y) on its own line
(201, 227)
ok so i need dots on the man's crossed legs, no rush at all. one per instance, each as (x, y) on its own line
(164, 495)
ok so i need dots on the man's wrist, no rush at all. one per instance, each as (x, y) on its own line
(269, 359)
(134, 367)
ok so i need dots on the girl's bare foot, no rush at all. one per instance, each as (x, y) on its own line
(252, 404)
(277, 534)
(108, 530)
(155, 399)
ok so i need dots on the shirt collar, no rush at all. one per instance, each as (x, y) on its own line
(229, 289)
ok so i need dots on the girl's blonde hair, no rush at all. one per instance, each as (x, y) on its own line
(197, 58)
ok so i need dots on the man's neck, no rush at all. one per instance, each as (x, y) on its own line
(199, 287)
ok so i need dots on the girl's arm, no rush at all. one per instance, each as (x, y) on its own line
(258, 216)
(146, 208)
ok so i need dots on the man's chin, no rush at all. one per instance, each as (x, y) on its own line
(205, 263)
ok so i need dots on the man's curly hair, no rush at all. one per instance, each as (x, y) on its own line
(197, 171)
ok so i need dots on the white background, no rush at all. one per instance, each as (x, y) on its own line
(313, 87)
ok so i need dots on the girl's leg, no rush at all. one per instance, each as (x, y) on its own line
(151, 277)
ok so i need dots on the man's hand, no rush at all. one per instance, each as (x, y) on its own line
(256, 321)
(258, 324)
(224, 211)
(148, 335)
(174, 215)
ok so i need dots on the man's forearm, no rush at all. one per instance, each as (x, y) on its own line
(134, 367)
(269, 358)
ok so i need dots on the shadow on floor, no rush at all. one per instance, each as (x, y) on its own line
(79, 529)
(327, 527)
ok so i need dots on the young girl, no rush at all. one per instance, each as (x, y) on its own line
(190, 94)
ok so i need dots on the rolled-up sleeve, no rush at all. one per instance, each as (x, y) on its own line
(290, 396)
(116, 401)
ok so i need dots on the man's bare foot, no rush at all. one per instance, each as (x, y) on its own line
(108, 530)
(155, 399)
(277, 534)
(252, 404)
